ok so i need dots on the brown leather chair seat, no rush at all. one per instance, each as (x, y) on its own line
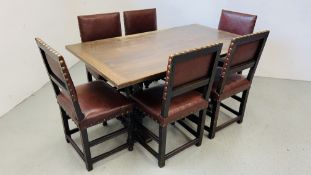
(98, 101)
(235, 83)
(150, 100)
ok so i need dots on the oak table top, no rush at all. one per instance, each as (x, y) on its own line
(132, 59)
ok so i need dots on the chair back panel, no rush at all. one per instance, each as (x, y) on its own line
(139, 21)
(99, 26)
(188, 71)
(55, 68)
(192, 69)
(238, 23)
(59, 74)
(245, 53)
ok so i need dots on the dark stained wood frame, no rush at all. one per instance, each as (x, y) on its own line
(68, 87)
(207, 83)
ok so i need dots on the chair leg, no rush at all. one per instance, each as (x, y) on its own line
(243, 106)
(105, 123)
(65, 119)
(200, 128)
(86, 150)
(89, 76)
(162, 146)
(214, 118)
(130, 126)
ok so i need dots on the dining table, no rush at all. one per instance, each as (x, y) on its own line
(130, 60)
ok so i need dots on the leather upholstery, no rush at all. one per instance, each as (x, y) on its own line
(98, 102)
(139, 21)
(55, 67)
(238, 23)
(150, 101)
(244, 53)
(99, 26)
(182, 76)
(235, 83)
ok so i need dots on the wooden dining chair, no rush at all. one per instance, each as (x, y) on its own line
(244, 53)
(178, 98)
(96, 27)
(139, 21)
(237, 23)
(86, 105)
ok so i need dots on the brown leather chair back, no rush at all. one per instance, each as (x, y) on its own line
(244, 53)
(59, 74)
(139, 21)
(99, 26)
(188, 71)
(238, 23)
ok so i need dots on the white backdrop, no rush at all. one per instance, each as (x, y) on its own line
(22, 71)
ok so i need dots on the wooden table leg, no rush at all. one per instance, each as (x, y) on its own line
(138, 116)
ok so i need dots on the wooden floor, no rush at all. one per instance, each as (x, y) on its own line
(275, 138)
